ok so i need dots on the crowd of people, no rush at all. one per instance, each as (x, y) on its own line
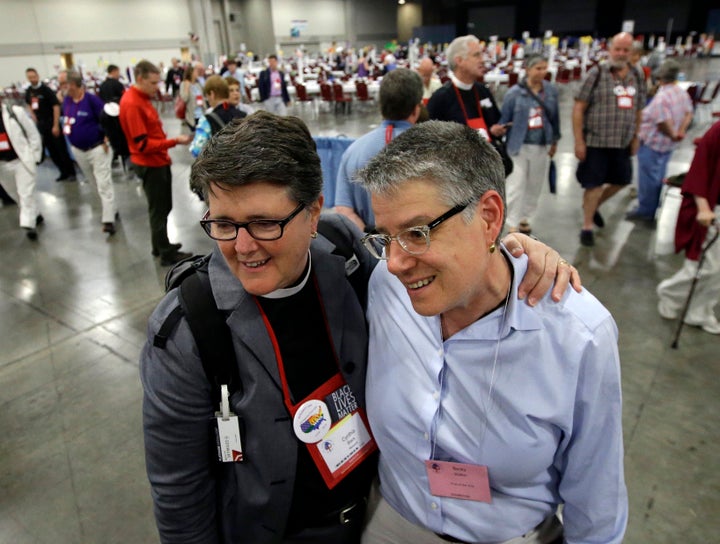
(397, 371)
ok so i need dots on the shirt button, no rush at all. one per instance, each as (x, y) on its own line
(433, 505)
(436, 395)
(426, 436)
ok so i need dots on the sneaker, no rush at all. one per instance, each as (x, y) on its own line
(66, 178)
(598, 219)
(109, 228)
(633, 192)
(665, 312)
(31, 233)
(174, 258)
(587, 238)
(174, 247)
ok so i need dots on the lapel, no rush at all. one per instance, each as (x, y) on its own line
(245, 322)
(330, 273)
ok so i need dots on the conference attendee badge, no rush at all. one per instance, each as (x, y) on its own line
(334, 429)
(458, 481)
(199, 100)
(535, 118)
(34, 103)
(67, 126)
(478, 123)
(625, 102)
(311, 421)
(227, 431)
(4, 142)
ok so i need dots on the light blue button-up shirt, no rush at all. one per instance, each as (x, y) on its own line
(549, 429)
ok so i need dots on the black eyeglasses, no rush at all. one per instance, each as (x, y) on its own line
(414, 240)
(260, 229)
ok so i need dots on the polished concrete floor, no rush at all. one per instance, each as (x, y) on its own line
(73, 307)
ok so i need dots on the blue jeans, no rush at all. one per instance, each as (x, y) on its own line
(652, 166)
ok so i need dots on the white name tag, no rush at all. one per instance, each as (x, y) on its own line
(343, 441)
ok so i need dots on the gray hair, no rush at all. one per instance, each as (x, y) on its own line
(400, 93)
(75, 78)
(532, 60)
(668, 71)
(450, 155)
(459, 48)
(262, 147)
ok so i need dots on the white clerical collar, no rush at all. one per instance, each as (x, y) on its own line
(460, 85)
(294, 290)
(36, 86)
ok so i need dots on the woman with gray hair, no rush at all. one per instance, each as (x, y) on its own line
(664, 123)
(530, 109)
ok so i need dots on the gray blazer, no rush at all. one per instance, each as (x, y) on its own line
(249, 501)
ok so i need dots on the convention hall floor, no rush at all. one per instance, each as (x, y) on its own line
(73, 307)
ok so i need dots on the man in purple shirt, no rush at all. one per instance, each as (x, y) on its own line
(273, 89)
(81, 125)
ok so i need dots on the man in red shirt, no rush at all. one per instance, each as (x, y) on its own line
(148, 153)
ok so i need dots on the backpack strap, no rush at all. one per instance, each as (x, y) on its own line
(218, 124)
(211, 333)
(207, 324)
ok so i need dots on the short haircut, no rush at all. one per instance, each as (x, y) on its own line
(144, 68)
(75, 78)
(668, 71)
(217, 85)
(30, 70)
(231, 81)
(273, 56)
(262, 147)
(400, 92)
(533, 59)
(459, 48)
(112, 68)
(450, 155)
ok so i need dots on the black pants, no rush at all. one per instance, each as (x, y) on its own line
(157, 184)
(57, 147)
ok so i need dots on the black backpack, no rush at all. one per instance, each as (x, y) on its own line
(207, 323)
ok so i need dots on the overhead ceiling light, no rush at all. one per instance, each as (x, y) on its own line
(401, 2)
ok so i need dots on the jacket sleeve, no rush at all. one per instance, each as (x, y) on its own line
(508, 108)
(177, 426)
(135, 128)
(34, 138)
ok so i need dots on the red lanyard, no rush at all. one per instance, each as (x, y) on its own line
(388, 133)
(462, 104)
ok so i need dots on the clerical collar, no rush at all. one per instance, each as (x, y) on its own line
(460, 85)
(295, 289)
(36, 86)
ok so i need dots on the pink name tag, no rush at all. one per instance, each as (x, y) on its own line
(459, 481)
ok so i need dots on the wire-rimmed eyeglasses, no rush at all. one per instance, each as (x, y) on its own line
(260, 229)
(414, 240)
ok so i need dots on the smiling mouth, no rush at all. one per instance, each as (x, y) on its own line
(420, 283)
(255, 264)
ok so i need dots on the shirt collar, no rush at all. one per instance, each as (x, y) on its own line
(518, 315)
(295, 289)
(460, 85)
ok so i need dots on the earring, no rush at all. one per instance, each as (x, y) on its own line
(313, 234)
(492, 247)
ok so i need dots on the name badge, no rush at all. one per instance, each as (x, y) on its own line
(4, 142)
(199, 100)
(535, 119)
(344, 441)
(625, 102)
(458, 481)
(486, 103)
(67, 126)
(34, 103)
(227, 431)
